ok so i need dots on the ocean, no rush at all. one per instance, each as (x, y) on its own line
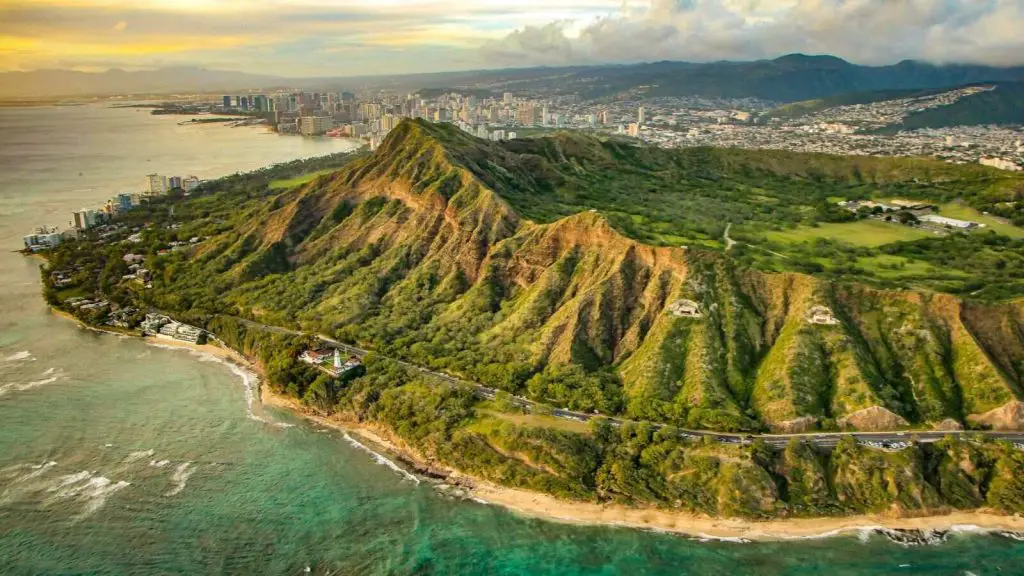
(118, 457)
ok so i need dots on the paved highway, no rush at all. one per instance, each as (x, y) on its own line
(821, 439)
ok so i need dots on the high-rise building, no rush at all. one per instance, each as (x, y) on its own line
(640, 116)
(526, 114)
(604, 117)
(189, 183)
(156, 184)
(227, 101)
(634, 130)
(86, 218)
(508, 98)
(545, 118)
(124, 202)
(441, 115)
(174, 182)
(244, 102)
(315, 125)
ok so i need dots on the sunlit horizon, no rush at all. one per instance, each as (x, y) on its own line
(316, 38)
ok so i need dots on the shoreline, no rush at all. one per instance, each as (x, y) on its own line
(546, 507)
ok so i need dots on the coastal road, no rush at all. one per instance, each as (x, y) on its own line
(821, 439)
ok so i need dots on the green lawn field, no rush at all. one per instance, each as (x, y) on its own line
(861, 233)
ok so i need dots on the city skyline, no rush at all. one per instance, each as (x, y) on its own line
(303, 38)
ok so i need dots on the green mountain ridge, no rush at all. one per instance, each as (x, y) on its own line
(1003, 105)
(473, 257)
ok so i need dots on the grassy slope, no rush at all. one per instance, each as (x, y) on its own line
(417, 251)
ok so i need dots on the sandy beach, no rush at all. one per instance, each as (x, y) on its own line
(538, 505)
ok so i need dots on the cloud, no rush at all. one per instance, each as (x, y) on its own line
(864, 31)
(327, 37)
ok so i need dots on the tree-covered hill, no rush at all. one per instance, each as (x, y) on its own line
(555, 268)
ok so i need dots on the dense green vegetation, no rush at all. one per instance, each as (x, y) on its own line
(639, 465)
(550, 268)
(420, 251)
(1004, 105)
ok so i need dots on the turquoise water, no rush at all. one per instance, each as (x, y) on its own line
(117, 457)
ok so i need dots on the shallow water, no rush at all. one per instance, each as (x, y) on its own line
(118, 457)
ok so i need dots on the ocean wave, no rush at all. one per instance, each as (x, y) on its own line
(53, 375)
(87, 486)
(96, 492)
(20, 356)
(159, 463)
(250, 381)
(704, 538)
(139, 455)
(180, 477)
(380, 459)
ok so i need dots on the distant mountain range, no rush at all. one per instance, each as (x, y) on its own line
(787, 79)
(790, 78)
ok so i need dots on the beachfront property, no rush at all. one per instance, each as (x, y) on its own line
(43, 239)
(163, 327)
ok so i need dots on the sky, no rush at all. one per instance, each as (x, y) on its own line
(314, 38)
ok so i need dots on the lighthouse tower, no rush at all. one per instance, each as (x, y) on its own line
(337, 360)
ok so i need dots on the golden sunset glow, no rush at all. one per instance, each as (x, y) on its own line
(306, 37)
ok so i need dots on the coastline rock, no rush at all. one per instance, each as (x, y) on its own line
(912, 537)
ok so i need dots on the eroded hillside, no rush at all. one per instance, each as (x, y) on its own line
(417, 251)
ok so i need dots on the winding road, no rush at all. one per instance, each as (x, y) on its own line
(820, 439)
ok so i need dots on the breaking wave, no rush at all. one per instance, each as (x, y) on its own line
(181, 475)
(250, 381)
(378, 458)
(52, 375)
(87, 486)
(20, 356)
(139, 455)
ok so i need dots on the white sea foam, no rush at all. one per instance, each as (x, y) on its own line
(181, 475)
(731, 539)
(65, 485)
(159, 463)
(250, 381)
(20, 356)
(37, 471)
(139, 455)
(96, 492)
(49, 377)
(380, 459)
